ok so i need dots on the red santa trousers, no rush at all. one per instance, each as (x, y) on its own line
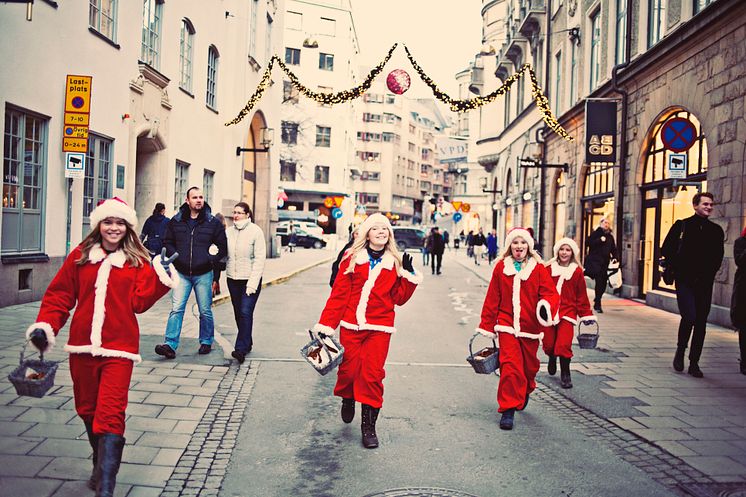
(361, 373)
(558, 339)
(100, 387)
(518, 367)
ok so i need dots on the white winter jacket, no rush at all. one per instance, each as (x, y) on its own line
(246, 253)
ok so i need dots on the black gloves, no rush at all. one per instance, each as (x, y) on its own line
(543, 313)
(39, 338)
(406, 263)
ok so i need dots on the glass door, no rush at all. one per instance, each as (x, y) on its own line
(649, 241)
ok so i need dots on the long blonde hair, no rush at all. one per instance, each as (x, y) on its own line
(134, 251)
(361, 242)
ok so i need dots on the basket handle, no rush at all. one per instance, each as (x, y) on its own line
(23, 352)
(471, 353)
(323, 344)
(598, 329)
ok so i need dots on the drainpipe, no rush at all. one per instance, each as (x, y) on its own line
(543, 177)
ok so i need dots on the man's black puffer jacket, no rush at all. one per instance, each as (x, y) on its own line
(193, 245)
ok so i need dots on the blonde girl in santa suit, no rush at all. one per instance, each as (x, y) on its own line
(108, 279)
(372, 279)
(567, 275)
(520, 300)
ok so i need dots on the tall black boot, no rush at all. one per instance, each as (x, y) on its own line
(348, 410)
(368, 426)
(565, 380)
(678, 359)
(552, 365)
(110, 448)
(93, 440)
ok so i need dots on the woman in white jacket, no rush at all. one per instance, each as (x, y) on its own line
(244, 268)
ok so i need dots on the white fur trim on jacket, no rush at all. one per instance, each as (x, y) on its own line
(326, 330)
(172, 280)
(564, 273)
(545, 322)
(368, 327)
(523, 275)
(47, 331)
(414, 278)
(102, 352)
(488, 334)
(520, 334)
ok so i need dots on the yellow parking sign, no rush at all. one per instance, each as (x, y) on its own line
(78, 94)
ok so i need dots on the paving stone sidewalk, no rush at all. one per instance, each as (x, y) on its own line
(44, 449)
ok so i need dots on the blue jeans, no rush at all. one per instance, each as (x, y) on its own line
(202, 285)
(243, 310)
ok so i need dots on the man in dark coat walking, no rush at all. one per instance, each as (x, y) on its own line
(738, 302)
(695, 264)
(437, 246)
(601, 249)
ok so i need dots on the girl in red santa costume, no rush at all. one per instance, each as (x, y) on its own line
(567, 274)
(520, 300)
(107, 279)
(372, 279)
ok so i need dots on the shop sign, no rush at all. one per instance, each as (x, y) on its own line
(600, 132)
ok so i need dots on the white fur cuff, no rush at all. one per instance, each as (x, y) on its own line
(171, 281)
(322, 328)
(415, 278)
(47, 330)
(488, 334)
(545, 305)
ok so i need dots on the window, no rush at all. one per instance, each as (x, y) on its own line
(558, 81)
(519, 96)
(595, 66)
(185, 55)
(410, 182)
(538, 60)
(327, 27)
(97, 180)
(321, 174)
(102, 16)
(411, 147)
(390, 99)
(656, 21)
(294, 20)
(412, 129)
(507, 109)
(621, 31)
(368, 137)
(181, 177)
(371, 118)
(323, 136)
(287, 170)
(208, 180)
(24, 158)
(268, 40)
(252, 32)
(211, 97)
(289, 132)
(391, 137)
(701, 4)
(292, 56)
(368, 156)
(152, 13)
(373, 176)
(326, 61)
(289, 93)
(560, 207)
(367, 198)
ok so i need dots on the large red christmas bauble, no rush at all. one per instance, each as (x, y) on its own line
(398, 81)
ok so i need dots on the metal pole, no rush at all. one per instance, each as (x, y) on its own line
(68, 235)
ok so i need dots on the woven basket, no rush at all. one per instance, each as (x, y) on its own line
(324, 353)
(588, 340)
(29, 387)
(486, 360)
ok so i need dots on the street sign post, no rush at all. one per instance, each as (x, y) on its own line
(678, 134)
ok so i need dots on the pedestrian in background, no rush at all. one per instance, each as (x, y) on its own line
(446, 239)
(601, 249)
(244, 267)
(292, 239)
(567, 275)
(738, 301)
(335, 264)
(492, 246)
(470, 244)
(196, 234)
(437, 247)
(373, 279)
(521, 299)
(695, 247)
(427, 243)
(154, 229)
(479, 242)
(108, 279)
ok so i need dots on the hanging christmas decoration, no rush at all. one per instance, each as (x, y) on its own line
(398, 81)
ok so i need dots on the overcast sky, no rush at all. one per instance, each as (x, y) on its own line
(443, 36)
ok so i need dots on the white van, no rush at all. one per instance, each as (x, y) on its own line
(283, 227)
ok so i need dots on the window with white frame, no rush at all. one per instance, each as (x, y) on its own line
(268, 40)
(152, 15)
(253, 28)
(656, 21)
(506, 121)
(24, 168)
(102, 16)
(595, 65)
(327, 27)
(208, 183)
(97, 180)
(289, 132)
(181, 179)
(621, 31)
(294, 20)
(211, 96)
(326, 61)
(186, 43)
(367, 198)
(323, 136)
(321, 174)
(292, 56)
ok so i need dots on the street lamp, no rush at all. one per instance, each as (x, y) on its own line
(267, 136)
(310, 42)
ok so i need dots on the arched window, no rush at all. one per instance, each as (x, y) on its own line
(559, 205)
(186, 43)
(211, 97)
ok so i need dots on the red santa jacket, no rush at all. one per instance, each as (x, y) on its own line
(521, 295)
(108, 292)
(570, 284)
(365, 298)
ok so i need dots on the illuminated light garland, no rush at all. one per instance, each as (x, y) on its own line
(541, 100)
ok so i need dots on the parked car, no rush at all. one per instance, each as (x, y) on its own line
(303, 239)
(283, 227)
(408, 237)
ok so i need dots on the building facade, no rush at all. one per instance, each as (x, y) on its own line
(166, 77)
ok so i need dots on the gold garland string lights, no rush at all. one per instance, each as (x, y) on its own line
(257, 95)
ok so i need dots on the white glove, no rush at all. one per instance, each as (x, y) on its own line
(250, 290)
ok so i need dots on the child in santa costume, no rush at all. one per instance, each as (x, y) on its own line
(108, 279)
(372, 279)
(520, 300)
(567, 275)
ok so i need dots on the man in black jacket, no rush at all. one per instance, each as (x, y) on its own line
(601, 248)
(200, 237)
(437, 247)
(695, 264)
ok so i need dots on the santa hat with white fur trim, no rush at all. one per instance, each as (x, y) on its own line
(376, 218)
(570, 243)
(113, 207)
(519, 233)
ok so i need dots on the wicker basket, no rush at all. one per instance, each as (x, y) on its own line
(588, 340)
(32, 387)
(324, 353)
(485, 361)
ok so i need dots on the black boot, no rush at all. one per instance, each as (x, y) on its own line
(552, 365)
(678, 359)
(348, 410)
(565, 380)
(93, 440)
(694, 370)
(368, 427)
(506, 421)
(110, 448)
